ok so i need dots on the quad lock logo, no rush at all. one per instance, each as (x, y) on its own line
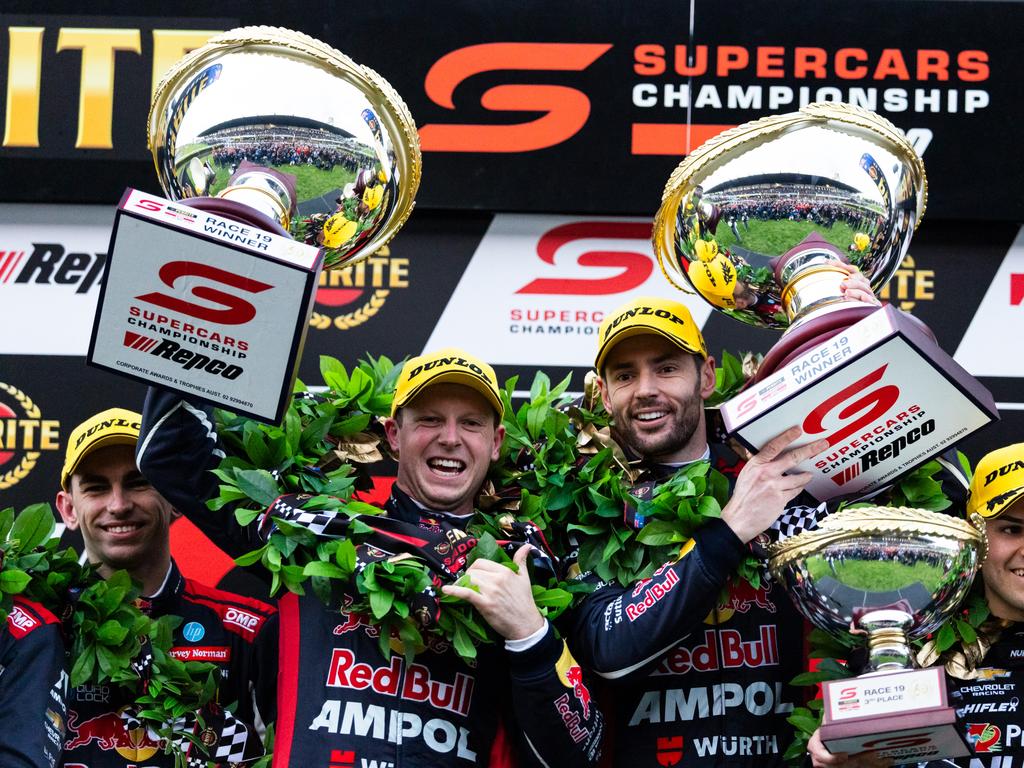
(367, 283)
(24, 435)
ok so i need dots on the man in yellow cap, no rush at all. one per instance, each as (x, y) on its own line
(984, 691)
(338, 695)
(694, 680)
(125, 524)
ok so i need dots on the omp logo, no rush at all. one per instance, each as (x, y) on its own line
(52, 264)
(358, 292)
(21, 621)
(242, 619)
(564, 110)
(24, 435)
(909, 285)
(635, 267)
(141, 343)
(227, 309)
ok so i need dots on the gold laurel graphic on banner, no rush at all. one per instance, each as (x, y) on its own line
(364, 313)
(28, 461)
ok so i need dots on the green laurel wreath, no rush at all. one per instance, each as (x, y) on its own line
(322, 448)
(105, 630)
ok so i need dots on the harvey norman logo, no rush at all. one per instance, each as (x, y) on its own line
(538, 288)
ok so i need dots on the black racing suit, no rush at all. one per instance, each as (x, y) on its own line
(340, 701)
(33, 687)
(695, 680)
(238, 634)
(988, 711)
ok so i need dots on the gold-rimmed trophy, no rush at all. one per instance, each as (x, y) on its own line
(891, 575)
(279, 156)
(759, 221)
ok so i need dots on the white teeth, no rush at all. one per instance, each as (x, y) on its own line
(1017, 571)
(651, 416)
(122, 528)
(446, 465)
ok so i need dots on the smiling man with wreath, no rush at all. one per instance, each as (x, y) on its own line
(345, 693)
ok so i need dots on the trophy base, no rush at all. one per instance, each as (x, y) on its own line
(901, 716)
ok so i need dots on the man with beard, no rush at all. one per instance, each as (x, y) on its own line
(983, 691)
(125, 524)
(693, 679)
(339, 696)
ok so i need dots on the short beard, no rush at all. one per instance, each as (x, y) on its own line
(652, 448)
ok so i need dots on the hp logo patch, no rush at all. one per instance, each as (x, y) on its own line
(193, 632)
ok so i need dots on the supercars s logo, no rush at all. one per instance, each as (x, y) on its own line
(228, 308)
(869, 406)
(565, 110)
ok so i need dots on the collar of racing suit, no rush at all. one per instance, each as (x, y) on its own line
(167, 597)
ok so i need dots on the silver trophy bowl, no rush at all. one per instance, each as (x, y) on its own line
(892, 574)
(276, 121)
(755, 219)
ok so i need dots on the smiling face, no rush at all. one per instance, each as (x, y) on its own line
(655, 394)
(446, 439)
(1003, 570)
(124, 521)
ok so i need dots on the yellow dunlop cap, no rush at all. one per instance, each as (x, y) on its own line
(446, 365)
(998, 481)
(114, 426)
(649, 315)
(715, 279)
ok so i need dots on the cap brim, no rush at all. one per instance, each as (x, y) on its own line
(454, 377)
(103, 442)
(640, 330)
(999, 504)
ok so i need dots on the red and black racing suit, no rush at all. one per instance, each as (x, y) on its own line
(238, 634)
(340, 701)
(33, 687)
(695, 680)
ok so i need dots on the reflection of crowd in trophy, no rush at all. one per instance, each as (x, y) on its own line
(284, 153)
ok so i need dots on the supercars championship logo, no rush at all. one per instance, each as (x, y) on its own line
(350, 296)
(24, 435)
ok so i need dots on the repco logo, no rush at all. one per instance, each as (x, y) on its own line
(564, 110)
(52, 264)
(225, 308)
(24, 435)
(358, 291)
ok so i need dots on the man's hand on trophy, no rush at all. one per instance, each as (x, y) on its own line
(502, 596)
(822, 758)
(764, 486)
(857, 287)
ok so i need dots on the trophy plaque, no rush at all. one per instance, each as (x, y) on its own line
(279, 157)
(759, 221)
(890, 575)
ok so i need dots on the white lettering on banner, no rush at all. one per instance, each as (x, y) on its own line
(982, 350)
(679, 704)
(776, 97)
(539, 285)
(374, 721)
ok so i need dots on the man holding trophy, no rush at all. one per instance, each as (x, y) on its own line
(984, 678)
